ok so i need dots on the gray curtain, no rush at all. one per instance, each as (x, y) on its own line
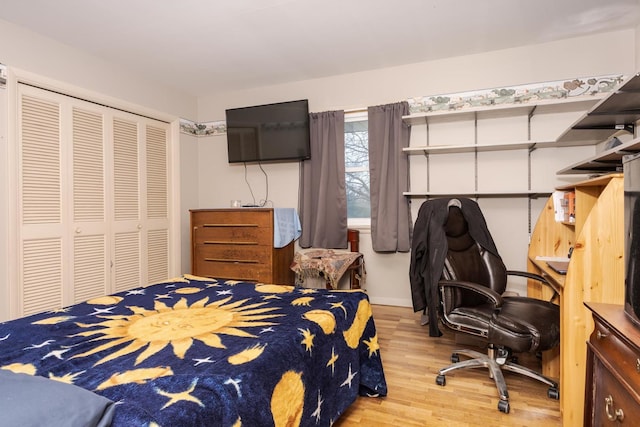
(323, 198)
(389, 169)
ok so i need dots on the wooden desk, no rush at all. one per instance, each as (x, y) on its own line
(595, 274)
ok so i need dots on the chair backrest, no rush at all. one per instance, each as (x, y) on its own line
(467, 261)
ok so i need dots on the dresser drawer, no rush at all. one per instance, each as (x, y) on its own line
(233, 234)
(257, 218)
(618, 354)
(249, 254)
(234, 270)
(233, 227)
(613, 404)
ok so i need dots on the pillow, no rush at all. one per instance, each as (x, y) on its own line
(27, 400)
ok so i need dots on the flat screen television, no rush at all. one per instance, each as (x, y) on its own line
(269, 133)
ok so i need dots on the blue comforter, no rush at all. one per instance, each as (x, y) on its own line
(201, 352)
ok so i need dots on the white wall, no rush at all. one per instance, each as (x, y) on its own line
(57, 66)
(207, 179)
(387, 278)
(4, 209)
(26, 50)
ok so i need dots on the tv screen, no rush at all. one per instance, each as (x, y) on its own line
(272, 132)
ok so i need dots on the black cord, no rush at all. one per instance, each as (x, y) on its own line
(248, 185)
(266, 180)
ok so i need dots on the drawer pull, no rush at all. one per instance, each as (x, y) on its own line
(601, 334)
(234, 261)
(228, 242)
(638, 366)
(229, 225)
(618, 415)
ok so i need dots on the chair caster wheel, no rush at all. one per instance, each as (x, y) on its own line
(455, 357)
(503, 406)
(441, 380)
(553, 393)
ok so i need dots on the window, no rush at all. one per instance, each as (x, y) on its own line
(356, 156)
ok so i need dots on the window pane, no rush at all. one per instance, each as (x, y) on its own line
(356, 141)
(356, 145)
(358, 205)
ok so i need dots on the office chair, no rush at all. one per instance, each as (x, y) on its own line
(471, 302)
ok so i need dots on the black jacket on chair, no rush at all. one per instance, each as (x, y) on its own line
(428, 255)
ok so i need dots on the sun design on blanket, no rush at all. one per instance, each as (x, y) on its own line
(178, 325)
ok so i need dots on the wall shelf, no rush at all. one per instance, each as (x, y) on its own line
(505, 110)
(617, 111)
(605, 162)
(478, 194)
(466, 148)
(477, 117)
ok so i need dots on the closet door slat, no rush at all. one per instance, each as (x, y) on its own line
(156, 150)
(125, 173)
(40, 157)
(88, 166)
(42, 275)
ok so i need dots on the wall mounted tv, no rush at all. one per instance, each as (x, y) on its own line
(268, 133)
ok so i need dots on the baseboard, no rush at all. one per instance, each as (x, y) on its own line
(396, 302)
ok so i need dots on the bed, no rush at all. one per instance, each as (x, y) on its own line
(200, 352)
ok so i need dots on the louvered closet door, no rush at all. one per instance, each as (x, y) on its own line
(140, 183)
(63, 236)
(40, 205)
(90, 260)
(93, 200)
(126, 208)
(157, 202)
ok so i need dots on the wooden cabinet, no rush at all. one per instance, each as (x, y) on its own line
(238, 244)
(613, 368)
(595, 274)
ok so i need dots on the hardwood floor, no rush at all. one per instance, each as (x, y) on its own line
(411, 362)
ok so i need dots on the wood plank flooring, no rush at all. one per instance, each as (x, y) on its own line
(411, 362)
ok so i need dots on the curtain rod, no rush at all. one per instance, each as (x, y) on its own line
(356, 110)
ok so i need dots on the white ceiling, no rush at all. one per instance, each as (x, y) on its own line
(205, 46)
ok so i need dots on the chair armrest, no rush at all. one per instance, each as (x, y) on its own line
(535, 277)
(488, 293)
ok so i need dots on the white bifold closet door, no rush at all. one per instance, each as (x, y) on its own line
(93, 196)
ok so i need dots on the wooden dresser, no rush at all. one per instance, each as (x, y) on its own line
(613, 368)
(238, 244)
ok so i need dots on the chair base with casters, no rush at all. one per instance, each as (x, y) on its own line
(496, 360)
